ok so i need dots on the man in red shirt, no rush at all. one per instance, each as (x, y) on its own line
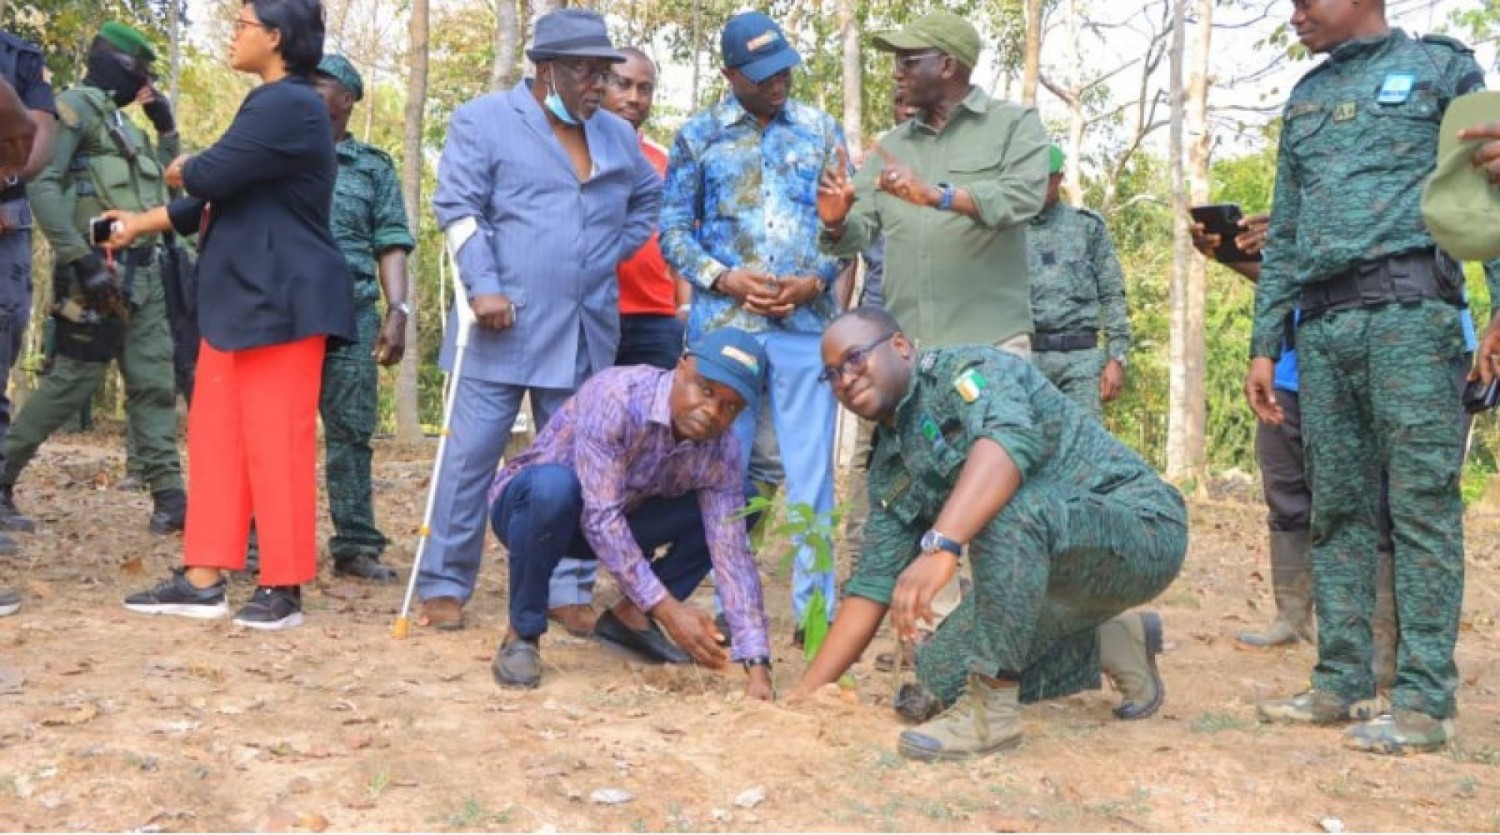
(650, 294)
(650, 332)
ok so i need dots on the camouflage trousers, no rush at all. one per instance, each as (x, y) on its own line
(1056, 563)
(348, 406)
(1075, 373)
(1380, 391)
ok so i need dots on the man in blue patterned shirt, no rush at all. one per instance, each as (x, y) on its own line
(739, 220)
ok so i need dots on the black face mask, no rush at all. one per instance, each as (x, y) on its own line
(114, 71)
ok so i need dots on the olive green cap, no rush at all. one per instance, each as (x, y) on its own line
(1055, 159)
(1459, 204)
(943, 31)
(128, 40)
(338, 68)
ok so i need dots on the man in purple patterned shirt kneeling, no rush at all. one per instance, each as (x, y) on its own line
(638, 459)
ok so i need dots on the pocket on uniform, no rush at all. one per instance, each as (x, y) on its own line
(975, 166)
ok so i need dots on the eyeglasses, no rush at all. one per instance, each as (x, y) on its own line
(907, 63)
(590, 73)
(854, 362)
(240, 25)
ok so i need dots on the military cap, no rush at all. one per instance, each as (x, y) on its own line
(943, 31)
(338, 68)
(1055, 159)
(128, 40)
(1459, 204)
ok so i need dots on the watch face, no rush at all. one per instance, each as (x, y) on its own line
(929, 541)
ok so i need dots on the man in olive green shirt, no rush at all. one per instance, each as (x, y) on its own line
(951, 191)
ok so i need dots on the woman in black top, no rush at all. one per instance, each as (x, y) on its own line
(272, 289)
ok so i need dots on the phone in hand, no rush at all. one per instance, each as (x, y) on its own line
(1223, 219)
(1480, 396)
(101, 229)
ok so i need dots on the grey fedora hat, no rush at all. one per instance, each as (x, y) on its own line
(572, 33)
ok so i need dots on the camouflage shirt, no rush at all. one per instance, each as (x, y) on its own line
(368, 215)
(959, 395)
(1076, 283)
(1358, 141)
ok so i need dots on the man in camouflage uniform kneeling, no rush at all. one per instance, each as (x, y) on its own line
(1065, 526)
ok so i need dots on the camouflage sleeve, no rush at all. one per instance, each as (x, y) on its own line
(390, 228)
(1113, 311)
(993, 404)
(890, 546)
(51, 206)
(1276, 291)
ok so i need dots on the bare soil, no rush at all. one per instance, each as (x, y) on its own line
(113, 721)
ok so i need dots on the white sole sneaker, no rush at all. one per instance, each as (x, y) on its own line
(288, 622)
(197, 611)
(8, 609)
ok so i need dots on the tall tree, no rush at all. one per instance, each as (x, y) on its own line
(1031, 68)
(1180, 463)
(408, 379)
(507, 44)
(848, 16)
(1198, 138)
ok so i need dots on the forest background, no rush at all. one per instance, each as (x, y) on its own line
(1160, 104)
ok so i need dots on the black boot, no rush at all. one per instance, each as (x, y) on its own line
(168, 511)
(12, 519)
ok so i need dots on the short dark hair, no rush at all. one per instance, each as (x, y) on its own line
(878, 316)
(638, 53)
(300, 23)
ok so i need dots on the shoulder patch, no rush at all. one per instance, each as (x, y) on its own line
(969, 383)
(1452, 43)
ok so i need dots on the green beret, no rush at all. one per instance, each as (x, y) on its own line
(943, 31)
(128, 40)
(1459, 204)
(338, 68)
(1055, 159)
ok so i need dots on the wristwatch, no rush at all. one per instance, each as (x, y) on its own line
(945, 197)
(1119, 359)
(757, 661)
(403, 307)
(934, 541)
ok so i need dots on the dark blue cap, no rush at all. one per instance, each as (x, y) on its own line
(753, 44)
(732, 357)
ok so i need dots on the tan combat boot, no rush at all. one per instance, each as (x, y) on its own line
(1128, 645)
(1401, 732)
(985, 719)
(1318, 707)
(1292, 586)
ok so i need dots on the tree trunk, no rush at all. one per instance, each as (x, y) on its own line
(1072, 185)
(697, 58)
(1031, 64)
(408, 411)
(853, 92)
(174, 51)
(507, 40)
(1180, 463)
(1198, 148)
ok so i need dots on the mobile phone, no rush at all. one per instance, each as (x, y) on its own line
(1480, 396)
(1223, 219)
(101, 229)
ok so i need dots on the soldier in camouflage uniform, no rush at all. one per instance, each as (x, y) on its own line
(1066, 529)
(111, 309)
(1381, 351)
(1077, 290)
(370, 227)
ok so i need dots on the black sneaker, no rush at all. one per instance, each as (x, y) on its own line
(272, 607)
(176, 596)
(8, 545)
(11, 518)
(10, 603)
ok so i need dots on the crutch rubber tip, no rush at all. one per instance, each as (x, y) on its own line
(424, 530)
(400, 629)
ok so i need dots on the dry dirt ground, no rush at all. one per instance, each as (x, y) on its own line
(113, 721)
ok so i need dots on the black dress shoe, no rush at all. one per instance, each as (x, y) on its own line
(365, 567)
(652, 643)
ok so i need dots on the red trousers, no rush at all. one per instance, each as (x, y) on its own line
(253, 451)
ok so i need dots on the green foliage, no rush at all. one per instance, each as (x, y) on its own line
(801, 526)
(65, 28)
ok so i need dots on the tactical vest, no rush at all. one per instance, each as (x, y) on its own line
(115, 166)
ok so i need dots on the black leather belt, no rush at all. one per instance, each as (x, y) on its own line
(1406, 277)
(1064, 341)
